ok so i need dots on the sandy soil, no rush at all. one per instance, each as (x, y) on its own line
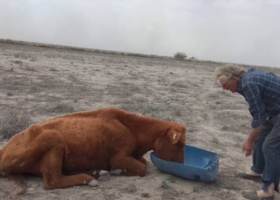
(45, 82)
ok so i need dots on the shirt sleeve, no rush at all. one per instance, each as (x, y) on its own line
(253, 96)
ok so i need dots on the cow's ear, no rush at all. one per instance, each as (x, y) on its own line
(174, 136)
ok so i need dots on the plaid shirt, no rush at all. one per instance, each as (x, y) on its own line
(262, 92)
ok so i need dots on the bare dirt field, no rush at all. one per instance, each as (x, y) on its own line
(37, 83)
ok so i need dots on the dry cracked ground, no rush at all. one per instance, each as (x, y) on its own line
(37, 83)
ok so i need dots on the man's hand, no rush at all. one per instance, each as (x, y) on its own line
(247, 147)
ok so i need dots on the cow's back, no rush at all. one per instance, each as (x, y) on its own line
(88, 139)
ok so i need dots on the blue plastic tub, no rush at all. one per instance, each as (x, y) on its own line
(199, 164)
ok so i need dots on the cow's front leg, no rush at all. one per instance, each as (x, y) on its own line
(143, 160)
(128, 166)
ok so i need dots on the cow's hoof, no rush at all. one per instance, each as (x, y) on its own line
(93, 183)
(104, 175)
(116, 171)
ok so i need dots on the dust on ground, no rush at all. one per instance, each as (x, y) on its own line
(45, 82)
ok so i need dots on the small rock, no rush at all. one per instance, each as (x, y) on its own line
(145, 195)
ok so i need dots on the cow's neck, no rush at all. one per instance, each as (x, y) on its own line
(146, 129)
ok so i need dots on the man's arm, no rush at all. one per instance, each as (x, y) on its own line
(249, 142)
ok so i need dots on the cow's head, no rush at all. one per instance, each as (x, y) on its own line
(171, 146)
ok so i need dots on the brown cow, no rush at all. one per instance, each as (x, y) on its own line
(102, 139)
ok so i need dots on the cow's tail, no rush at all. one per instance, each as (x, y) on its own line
(20, 184)
(1, 160)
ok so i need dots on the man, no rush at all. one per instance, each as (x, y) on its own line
(262, 92)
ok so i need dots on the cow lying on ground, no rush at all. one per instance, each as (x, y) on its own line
(63, 149)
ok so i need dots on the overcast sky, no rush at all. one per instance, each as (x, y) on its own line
(238, 31)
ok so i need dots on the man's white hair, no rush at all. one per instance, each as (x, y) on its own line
(226, 72)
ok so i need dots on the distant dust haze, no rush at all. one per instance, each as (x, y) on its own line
(238, 31)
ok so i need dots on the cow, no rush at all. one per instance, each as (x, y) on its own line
(66, 149)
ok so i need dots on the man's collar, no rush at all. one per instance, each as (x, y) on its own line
(239, 86)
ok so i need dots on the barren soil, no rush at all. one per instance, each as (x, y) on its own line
(42, 82)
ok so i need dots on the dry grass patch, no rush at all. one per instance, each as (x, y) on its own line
(12, 121)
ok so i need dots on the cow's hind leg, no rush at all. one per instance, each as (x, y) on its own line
(129, 166)
(51, 169)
